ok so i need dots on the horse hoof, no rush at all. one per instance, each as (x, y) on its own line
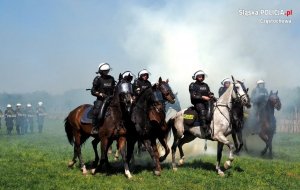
(227, 164)
(157, 173)
(71, 164)
(221, 173)
(181, 161)
(94, 171)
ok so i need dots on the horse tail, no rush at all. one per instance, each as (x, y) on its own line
(170, 124)
(69, 131)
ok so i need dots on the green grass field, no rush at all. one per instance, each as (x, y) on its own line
(39, 161)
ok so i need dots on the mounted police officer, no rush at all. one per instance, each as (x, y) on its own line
(20, 119)
(1, 115)
(201, 97)
(127, 76)
(225, 84)
(142, 82)
(259, 98)
(103, 87)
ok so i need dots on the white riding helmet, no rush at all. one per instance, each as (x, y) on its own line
(18, 105)
(127, 73)
(225, 80)
(199, 72)
(104, 67)
(260, 82)
(144, 71)
(8, 106)
(40, 103)
(28, 105)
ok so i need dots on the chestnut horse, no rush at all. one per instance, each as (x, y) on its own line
(110, 129)
(148, 122)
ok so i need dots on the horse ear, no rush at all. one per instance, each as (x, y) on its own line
(159, 80)
(271, 92)
(276, 92)
(167, 81)
(120, 76)
(233, 79)
(247, 90)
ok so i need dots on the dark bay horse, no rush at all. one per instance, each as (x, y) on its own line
(220, 126)
(267, 123)
(111, 129)
(148, 122)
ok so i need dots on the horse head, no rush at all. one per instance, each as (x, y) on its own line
(240, 92)
(275, 100)
(125, 92)
(165, 89)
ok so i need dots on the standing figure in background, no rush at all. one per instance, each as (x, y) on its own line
(40, 113)
(1, 115)
(20, 119)
(29, 116)
(103, 88)
(9, 115)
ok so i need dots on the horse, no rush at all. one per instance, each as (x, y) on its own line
(148, 122)
(220, 126)
(267, 122)
(78, 132)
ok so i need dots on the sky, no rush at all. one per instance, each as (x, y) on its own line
(57, 45)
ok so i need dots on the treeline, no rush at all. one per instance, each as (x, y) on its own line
(53, 103)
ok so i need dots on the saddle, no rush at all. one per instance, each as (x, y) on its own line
(87, 116)
(190, 117)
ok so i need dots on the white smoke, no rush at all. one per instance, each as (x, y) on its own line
(179, 38)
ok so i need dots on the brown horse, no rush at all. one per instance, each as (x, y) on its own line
(111, 128)
(148, 122)
(268, 122)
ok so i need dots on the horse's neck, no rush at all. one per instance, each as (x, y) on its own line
(145, 98)
(226, 97)
(269, 108)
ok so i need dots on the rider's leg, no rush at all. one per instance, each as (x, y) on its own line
(96, 110)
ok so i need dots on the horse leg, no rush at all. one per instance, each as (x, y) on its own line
(104, 159)
(265, 138)
(152, 149)
(130, 149)
(186, 139)
(163, 142)
(235, 141)
(77, 148)
(222, 139)
(71, 163)
(219, 156)
(95, 142)
(122, 149)
(173, 148)
(240, 138)
(270, 146)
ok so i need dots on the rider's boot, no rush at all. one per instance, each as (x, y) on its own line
(95, 129)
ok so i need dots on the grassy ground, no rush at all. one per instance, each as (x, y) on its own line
(39, 161)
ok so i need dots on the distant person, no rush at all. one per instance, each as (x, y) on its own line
(9, 115)
(20, 119)
(225, 84)
(127, 76)
(40, 113)
(141, 83)
(1, 115)
(103, 87)
(29, 116)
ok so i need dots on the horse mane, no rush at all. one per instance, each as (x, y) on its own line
(226, 96)
(144, 96)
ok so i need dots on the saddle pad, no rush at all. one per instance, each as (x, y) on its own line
(190, 116)
(87, 115)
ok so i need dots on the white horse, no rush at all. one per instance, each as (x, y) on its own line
(220, 125)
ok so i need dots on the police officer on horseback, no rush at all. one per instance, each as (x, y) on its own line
(201, 97)
(225, 84)
(103, 87)
(127, 77)
(141, 83)
(259, 98)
